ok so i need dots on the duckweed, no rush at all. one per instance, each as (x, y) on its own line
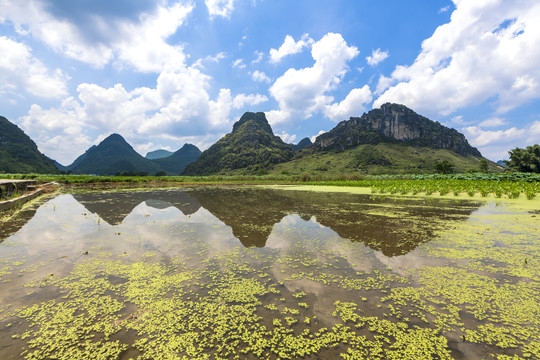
(306, 297)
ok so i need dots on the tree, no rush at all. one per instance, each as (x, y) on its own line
(524, 160)
(444, 167)
(483, 166)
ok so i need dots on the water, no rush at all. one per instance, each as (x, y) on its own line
(249, 273)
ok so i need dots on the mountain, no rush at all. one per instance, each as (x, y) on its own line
(393, 123)
(112, 155)
(158, 154)
(251, 146)
(60, 166)
(305, 142)
(390, 140)
(19, 154)
(502, 163)
(177, 162)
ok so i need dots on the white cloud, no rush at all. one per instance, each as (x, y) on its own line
(58, 132)
(239, 63)
(480, 137)
(314, 137)
(289, 47)
(144, 46)
(489, 50)
(260, 76)
(495, 144)
(19, 69)
(444, 9)
(141, 43)
(31, 17)
(458, 120)
(223, 8)
(178, 109)
(376, 57)
(352, 105)
(289, 139)
(277, 116)
(492, 122)
(259, 57)
(209, 59)
(301, 93)
(241, 100)
(383, 84)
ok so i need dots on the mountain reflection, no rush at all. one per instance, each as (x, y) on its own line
(394, 227)
(113, 207)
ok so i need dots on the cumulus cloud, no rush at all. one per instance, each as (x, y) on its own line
(314, 137)
(19, 69)
(301, 93)
(353, 104)
(241, 100)
(223, 8)
(376, 57)
(488, 50)
(289, 47)
(289, 139)
(383, 84)
(260, 76)
(140, 43)
(495, 144)
(179, 108)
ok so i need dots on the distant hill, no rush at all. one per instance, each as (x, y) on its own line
(393, 123)
(302, 144)
(251, 146)
(60, 166)
(158, 154)
(19, 154)
(382, 158)
(502, 163)
(112, 155)
(177, 162)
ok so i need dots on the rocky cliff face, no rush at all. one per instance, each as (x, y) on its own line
(393, 123)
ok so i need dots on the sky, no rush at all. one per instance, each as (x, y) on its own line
(167, 72)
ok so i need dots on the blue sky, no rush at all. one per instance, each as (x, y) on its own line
(162, 73)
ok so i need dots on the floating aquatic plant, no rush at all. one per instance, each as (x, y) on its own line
(477, 281)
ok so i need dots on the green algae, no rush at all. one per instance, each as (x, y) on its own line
(315, 298)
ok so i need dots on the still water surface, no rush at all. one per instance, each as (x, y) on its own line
(247, 273)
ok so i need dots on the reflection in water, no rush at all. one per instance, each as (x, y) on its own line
(7, 228)
(393, 227)
(258, 273)
(115, 206)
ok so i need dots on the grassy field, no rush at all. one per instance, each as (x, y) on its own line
(500, 185)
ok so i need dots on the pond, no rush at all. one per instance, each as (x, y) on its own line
(259, 273)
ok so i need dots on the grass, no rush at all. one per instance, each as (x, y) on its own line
(379, 159)
(508, 185)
